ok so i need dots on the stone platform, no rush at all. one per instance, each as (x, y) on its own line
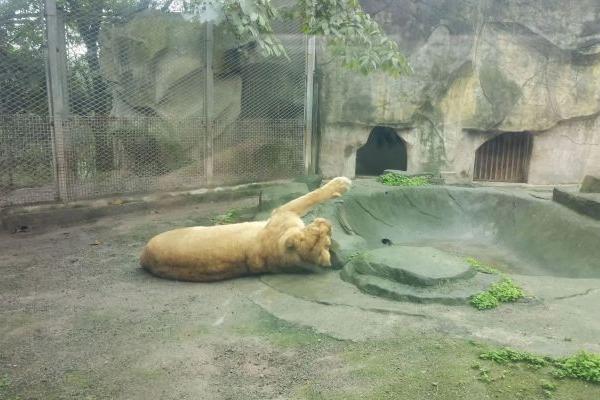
(417, 274)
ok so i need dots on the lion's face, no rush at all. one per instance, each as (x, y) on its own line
(311, 244)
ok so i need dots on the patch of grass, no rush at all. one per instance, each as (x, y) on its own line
(482, 267)
(4, 383)
(394, 179)
(507, 355)
(229, 217)
(280, 332)
(505, 291)
(548, 385)
(583, 365)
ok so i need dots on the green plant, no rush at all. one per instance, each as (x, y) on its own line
(481, 267)
(547, 385)
(583, 365)
(352, 35)
(484, 301)
(4, 383)
(229, 217)
(507, 355)
(504, 291)
(394, 179)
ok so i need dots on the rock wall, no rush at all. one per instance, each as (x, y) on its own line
(481, 68)
(156, 65)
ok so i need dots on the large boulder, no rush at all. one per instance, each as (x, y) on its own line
(156, 64)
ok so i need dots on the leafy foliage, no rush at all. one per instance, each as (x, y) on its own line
(394, 179)
(481, 267)
(506, 355)
(502, 292)
(583, 365)
(506, 291)
(484, 301)
(352, 35)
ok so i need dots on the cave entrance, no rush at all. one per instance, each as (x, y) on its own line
(505, 158)
(384, 150)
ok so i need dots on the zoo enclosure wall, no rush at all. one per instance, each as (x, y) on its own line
(106, 98)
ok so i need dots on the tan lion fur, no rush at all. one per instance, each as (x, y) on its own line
(282, 243)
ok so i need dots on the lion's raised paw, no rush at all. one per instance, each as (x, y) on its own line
(338, 186)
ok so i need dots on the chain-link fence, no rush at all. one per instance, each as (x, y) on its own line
(114, 97)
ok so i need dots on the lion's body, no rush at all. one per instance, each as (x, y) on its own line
(213, 253)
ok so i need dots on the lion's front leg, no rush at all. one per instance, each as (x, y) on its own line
(302, 205)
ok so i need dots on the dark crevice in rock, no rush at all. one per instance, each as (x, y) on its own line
(576, 294)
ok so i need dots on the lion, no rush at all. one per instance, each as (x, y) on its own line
(283, 243)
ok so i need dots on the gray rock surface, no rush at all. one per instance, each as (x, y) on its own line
(416, 266)
(480, 68)
(590, 184)
(584, 203)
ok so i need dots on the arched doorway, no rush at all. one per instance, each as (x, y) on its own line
(384, 150)
(505, 158)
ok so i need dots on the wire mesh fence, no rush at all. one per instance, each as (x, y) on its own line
(102, 98)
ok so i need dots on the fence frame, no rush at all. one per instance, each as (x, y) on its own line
(57, 82)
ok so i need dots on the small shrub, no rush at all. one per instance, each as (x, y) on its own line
(583, 365)
(394, 179)
(506, 291)
(484, 301)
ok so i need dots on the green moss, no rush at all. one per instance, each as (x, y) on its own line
(280, 332)
(394, 179)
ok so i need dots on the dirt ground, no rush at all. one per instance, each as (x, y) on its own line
(80, 320)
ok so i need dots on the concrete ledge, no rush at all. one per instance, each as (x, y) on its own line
(42, 217)
(583, 203)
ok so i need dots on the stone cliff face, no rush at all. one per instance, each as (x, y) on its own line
(480, 68)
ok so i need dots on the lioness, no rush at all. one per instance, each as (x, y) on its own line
(281, 243)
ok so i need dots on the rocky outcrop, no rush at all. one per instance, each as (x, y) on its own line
(480, 68)
(156, 64)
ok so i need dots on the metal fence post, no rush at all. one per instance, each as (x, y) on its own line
(58, 93)
(308, 107)
(209, 93)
